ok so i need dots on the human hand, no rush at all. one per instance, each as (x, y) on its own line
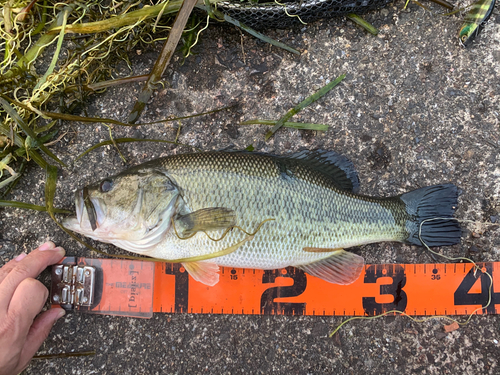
(21, 299)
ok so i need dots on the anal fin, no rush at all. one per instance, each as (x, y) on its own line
(342, 268)
(205, 272)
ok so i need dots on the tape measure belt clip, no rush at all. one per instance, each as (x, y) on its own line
(73, 286)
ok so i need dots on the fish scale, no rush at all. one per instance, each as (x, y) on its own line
(301, 209)
(304, 209)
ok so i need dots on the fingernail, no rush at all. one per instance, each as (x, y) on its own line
(20, 257)
(47, 246)
(59, 249)
(61, 314)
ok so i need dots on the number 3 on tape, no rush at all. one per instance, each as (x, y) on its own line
(399, 299)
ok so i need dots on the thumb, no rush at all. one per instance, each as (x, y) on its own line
(38, 333)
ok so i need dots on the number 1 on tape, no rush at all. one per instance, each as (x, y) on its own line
(140, 288)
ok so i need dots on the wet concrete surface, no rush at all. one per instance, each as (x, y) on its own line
(415, 109)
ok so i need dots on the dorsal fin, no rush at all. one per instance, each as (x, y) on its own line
(337, 166)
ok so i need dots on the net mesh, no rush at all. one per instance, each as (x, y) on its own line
(273, 15)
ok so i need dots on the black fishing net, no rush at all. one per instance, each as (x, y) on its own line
(273, 15)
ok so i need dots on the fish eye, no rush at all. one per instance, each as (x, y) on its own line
(106, 186)
(464, 38)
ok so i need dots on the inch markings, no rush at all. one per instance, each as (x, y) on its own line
(417, 289)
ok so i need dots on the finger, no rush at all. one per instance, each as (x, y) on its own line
(18, 317)
(29, 267)
(37, 334)
(27, 301)
(7, 267)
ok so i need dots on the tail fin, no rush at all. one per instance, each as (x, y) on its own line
(438, 201)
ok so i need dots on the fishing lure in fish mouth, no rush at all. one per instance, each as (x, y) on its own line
(89, 206)
(475, 20)
(260, 211)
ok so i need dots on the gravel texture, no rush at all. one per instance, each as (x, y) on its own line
(415, 109)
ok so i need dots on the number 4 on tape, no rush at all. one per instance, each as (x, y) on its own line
(140, 288)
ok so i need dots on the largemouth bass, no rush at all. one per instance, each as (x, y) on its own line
(251, 210)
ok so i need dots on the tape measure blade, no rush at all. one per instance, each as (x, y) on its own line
(417, 289)
(135, 288)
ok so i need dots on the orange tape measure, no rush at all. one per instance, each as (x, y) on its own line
(141, 288)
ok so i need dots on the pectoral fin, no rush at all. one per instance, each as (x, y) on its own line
(206, 219)
(341, 268)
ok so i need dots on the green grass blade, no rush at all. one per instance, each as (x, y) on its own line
(67, 117)
(126, 19)
(260, 36)
(444, 3)
(29, 206)
(20, 172)
(8, 180)
(43, 42)
(105, 84)
(128, 140)
(26, 129)
(299, 107)
(55, 56)
(5, 130)
(363, 23)
(163, 59)
(41, 24)
(19, 142)
(249, 30)
(295, 125)
(50, 188)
